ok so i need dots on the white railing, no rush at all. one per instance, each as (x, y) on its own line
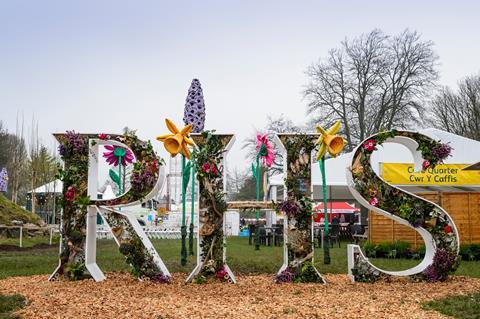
(154, 232)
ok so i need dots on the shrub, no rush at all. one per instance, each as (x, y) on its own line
(370, 249)
(470, 252)
(396, 249)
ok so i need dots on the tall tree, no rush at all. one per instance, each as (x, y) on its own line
(458, 111)
(35, 163)
(372, 82)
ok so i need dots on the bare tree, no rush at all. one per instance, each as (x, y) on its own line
(458, 112)
(34, 162)
(372, 82)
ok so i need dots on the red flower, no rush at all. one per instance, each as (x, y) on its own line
(448, 229)
(221, 273)
(369, 145)
(426, 164)
(70, 194)
(373, 201)
(103, 136)
(206, 167)
(213, 170)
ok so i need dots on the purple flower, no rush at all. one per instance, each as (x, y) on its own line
(443, 264)
(290, 207)
(3, 180)
(417, 223)
(74, 143)
(161, 279)
(194, 112)
(141, 181)
(75, 140)
(61, 149)
(441, 151)
(285, 276)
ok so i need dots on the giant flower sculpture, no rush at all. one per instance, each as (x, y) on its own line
(333, 144)
(3, 180)
(266, 153)
(177, 141)
(329, 141)
(118, 154)
(194, 112)
(265, 149)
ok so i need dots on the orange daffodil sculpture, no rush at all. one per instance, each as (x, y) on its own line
(329, 141)
(177, 141)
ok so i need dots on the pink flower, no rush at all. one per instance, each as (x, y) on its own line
(213, 170)
(206, 167)
(369, 145)
(426, 164)
(70, 194)
(112, 158)
(221, 273)
(103, 136)
(269, 153)
(373, 201)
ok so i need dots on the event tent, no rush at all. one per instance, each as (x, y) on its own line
(465, 151)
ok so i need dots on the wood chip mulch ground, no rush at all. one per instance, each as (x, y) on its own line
(257, 297)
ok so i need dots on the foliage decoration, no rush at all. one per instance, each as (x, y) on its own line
(417, 211)
(208, 165)
(74, 151)
(298, 210)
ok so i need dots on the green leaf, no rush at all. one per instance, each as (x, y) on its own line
(254, 172)
(186, 176)
(114, 176)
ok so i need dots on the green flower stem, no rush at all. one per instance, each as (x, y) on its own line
(120, 175)
(257, 213)
(190, 239)
(326, 237)
(183, 252)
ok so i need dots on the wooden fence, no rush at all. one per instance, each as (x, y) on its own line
(463, 207)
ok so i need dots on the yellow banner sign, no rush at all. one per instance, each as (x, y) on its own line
(441, 175)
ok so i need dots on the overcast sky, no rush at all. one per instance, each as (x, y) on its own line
(98, 66)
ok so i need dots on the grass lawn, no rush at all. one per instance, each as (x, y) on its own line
(462, 307)
(9, 304)
(242, 258)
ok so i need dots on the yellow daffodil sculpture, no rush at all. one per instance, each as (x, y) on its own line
(177, 141)
(333, 144)
(329, 141)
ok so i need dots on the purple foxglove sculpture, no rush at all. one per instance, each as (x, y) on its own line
(3, 180)
(195, 107)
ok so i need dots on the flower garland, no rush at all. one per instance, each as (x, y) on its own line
(298, 210)
(74, 151)
(418, 212)
(208, 164)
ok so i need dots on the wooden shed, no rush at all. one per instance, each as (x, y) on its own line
(463, 207)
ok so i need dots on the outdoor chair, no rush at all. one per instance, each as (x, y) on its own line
(251, 233)
(334, 234)
(278, 235)
(263, 236)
